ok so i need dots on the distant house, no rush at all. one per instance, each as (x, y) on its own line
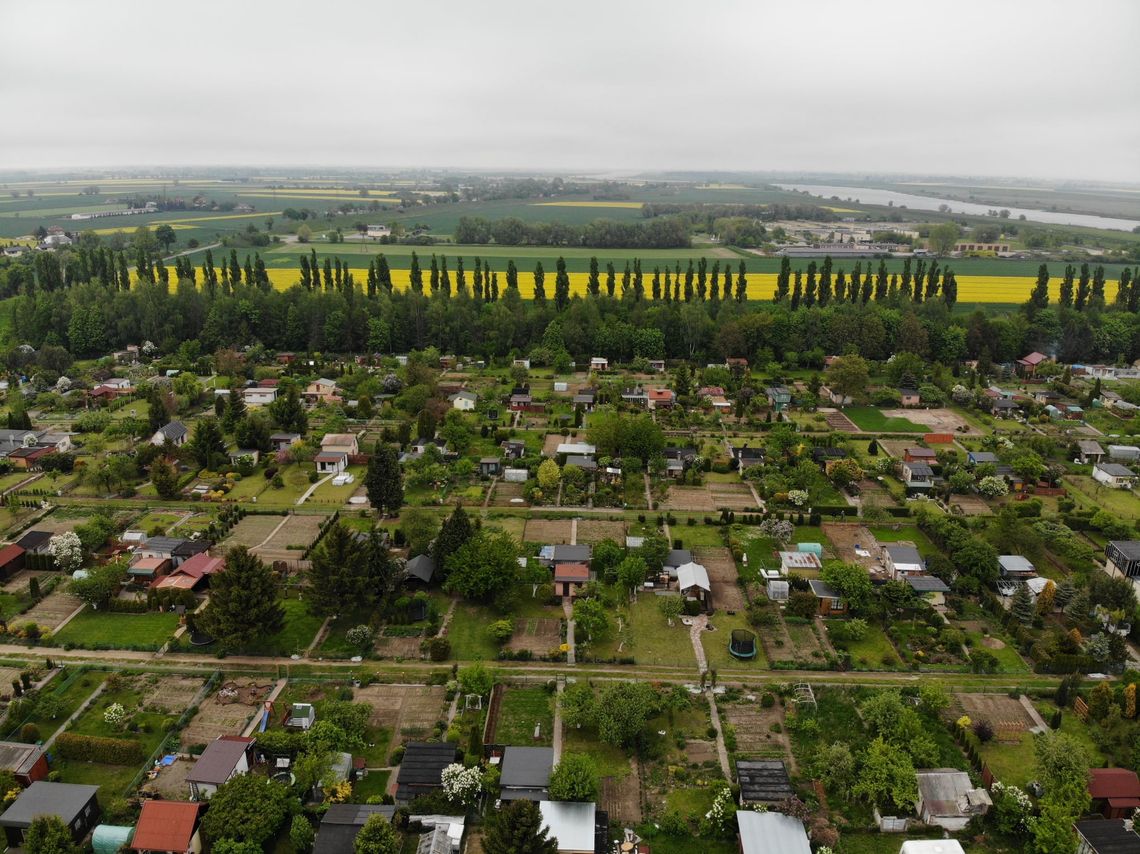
(588, 464)
(346, 442)
(464, 401)
(980, 458)
(490, 467)
(693, 582)
(599, 364)
(513, 449)
(928, 587)
(284, 441)
(585, 398)
(674, 559)
(657, 366)
(771, 833)
(168, 827)
(562, 553)
(175, 433)
(1005, 408)
(636, 396)
(26, 762)
(918, 476)
(1115, 792)
(35, 542)
(830, 601)
(835, 397)
(779, 397)
(746, 456)
(420, 568)
(763, 781)
(342, 822)
(225, 757)
(925, 455)
(521, 403)
(12, 560)
(1114, 475)
(902, 560)
(321, 390)
(1027, 365)
(521, 363)
(77, 806)
(909, 397)
(331, 462)
(259, 395)
(576, 449)
(179, 550)
(421, 769)
(244, 455)
(1097, 836)
(1122, 557)
(1016, 567)
(661, 398)
(949, 799)
(1124, 453)
(192, 574)
(526, 773)
(569, 578)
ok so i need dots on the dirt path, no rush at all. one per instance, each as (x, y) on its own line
(557, 734)
(1031, 710)
(695, 630)
(721, 752)
(82, 708)
(318, 639)
(490, 492)
(281, 524)
(648, 492)
(312, 489)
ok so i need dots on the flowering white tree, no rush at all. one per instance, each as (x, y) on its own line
(359, 636)
(722, 816)
(461, 785)
(780, 530)
(67, 552)
(798, 497)
(115, 714)
(992, 486)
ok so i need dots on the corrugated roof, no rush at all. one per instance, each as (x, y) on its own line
(218, 760)
(570, 823)
(527, 767)
(763, 781)
(65, 800)
(770, 832)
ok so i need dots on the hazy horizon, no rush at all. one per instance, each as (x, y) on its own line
(999, 91)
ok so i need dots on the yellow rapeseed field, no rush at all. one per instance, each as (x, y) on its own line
(761, 286)
(312, 197)
(197, 219)
(317, 191)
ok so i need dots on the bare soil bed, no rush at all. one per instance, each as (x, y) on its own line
(506, 493)
(836, 420)
(790, 643)
(538, 634)
(56, 607)
(970, 505)
(227, 711)
(938, 420)
(547, 531)
(297, 531)
(621, 798)
(171, 694)
(410, 711)
(735, 496)
(399, 647)
(251, 531)
(694, 498)
(754, 736)
(19, 582)
(843, 539)
(596, 530)
(726, 593)
(1007, 716)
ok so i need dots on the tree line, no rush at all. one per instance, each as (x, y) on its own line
(663, 233)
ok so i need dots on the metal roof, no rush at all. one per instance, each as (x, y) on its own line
(218, 760)
(570, 823)
(770, 832)
(421, 566)
(65, 800)
(763, 781)
(1109, 836)
(526, 767)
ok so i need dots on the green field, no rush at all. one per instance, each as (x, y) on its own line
(871, 420)
(106, 630)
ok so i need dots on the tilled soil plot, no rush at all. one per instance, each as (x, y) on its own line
(726, 592)
(410, 711)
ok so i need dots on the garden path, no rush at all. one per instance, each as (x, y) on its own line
(721, 751)
(322, 632)
(557, 733)
(281, 524)
(313, 489)
(1031, 710)
(698, 626)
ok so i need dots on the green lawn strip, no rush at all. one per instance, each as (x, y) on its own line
(869, 652)
(1009, 661)
(870, 419)
(521, 710)
(10, 605)
(108, 630)
(611, 761)
(151, 725)
(649, 639)
(697, 536)
(300, 629)
(1122, 502)
(112, 780)
(373, 785)
(715, 643)
(335, 644)
(71, 691)
(467, 632)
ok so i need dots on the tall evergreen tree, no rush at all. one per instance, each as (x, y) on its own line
(949, 289)
(702, 279)
(1123, 288)
(797, 292)
(478, 280)
(656, 286)
(561, 285)
(1096, 296)
(384, 482)
(338, 574)
(1066, 295)
(244, 603)
(539, 283)
(445, 277)
(415, 275)
(460, 277)
(1039, 299)
(881, 282)
(594, 283)
(742, 282)
(611, 279)
(512, 276)
(1082, 288)
(626, 291)
(809, 285)
(433, 277)
(456, 530)
(518, 829)
(690, 274)
(383, 273)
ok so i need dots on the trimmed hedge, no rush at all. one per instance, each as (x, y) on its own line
(89, 748)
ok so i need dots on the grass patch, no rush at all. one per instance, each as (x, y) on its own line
(374, 785)
(871, 420)
(107, 630)
(467, 632)
(645, 636)
(611, 761)
(716, 644)
(112, 780)
(71, 693)
(300, 629)
(522, 709)
(697, 536)
(868, 653)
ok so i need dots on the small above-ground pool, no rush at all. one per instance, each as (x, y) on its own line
(742, 644)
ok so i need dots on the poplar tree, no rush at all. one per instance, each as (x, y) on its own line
(1039, 299)
(445, 277)
(539, 280)
(415, 275)
(1066, 296)
(512, 276)
(656, 284)
(881, 282)
(561, 285)
(1082, 288)
(797, 292)
(594, 284)
(460, 277)
(611, 279)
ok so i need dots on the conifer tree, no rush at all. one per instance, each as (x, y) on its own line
(244, 603)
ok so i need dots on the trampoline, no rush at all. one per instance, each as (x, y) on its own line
(742, 644)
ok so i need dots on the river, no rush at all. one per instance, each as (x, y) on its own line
(872, 196)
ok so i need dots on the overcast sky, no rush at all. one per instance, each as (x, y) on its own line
(1034, 88)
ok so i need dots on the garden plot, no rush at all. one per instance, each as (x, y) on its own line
(547, 531)
(251, 531)
(410, 711)
(508, 495)
(58, 523)
(596, 530)
(226, 712)
(171, 693)
(844, 540)
(399, 646)
(56, 607)
(838, 421)
(19, 582)
(297, 531)
(735, 496)
(754, 736)
(1006, 715)
(540, 635)
(726, 593)
(689, 498)
(970, 505)
(621, 799)
(937, 420)
(791, 642)
(896, 448)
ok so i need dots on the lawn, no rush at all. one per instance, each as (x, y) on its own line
(112, 780)
(1008, 659)
(1122, 502)
(697, 536)
(300, 629)
(716, 644)
(871, 420)
(71, 693)
(648, 639)
(868, 653)
(467, 632)
(611, 761)
(107, 630)
(374, 785)
(152, 726)
(521, 710)
(1015, 763)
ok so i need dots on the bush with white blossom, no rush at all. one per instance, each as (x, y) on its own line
(359, 636)
(1012, 807)
(67, 551)
(780, 530)
(721, 817)
(461, 785)
(115, 714)
(992, 486)
(798, 497)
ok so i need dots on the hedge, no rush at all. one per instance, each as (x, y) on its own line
(89, 748)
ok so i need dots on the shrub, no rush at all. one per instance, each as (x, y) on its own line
(439, 649)
(984, 730)
(88, 748)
